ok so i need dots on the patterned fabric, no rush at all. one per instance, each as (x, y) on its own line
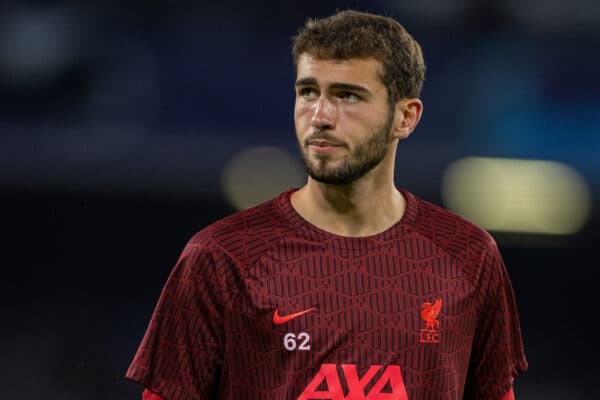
(149, 395)
(263, 305)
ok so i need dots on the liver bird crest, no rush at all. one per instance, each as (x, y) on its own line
(429, 313)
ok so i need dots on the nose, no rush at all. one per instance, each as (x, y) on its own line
(324, 114)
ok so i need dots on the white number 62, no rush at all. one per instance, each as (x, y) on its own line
(292, 342)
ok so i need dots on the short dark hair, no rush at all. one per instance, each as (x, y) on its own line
(352, 34)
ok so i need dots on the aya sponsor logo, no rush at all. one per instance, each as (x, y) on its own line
(327, 383)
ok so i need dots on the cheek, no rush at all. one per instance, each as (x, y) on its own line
(367, 118)
(301, 114)
(352, 113)
(354, 116)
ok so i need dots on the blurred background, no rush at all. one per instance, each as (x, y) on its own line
(127, 126)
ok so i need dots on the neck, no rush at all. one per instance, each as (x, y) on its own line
(366, 207)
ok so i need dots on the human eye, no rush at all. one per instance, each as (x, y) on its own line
(308, 92)
(349, 96)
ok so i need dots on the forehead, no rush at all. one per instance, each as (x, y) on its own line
(359, 71)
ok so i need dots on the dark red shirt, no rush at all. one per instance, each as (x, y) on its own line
(263, 305)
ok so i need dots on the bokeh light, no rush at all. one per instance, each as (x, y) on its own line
(257, 174)
(511, 195)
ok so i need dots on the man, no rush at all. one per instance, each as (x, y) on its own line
(347, 288)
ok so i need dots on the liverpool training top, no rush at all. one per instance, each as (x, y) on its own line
(264, 305)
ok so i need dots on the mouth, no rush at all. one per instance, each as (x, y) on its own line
(322, 143)
(323, 146)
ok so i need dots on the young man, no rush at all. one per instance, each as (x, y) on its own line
(347, 288)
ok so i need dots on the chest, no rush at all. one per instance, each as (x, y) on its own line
(365, 313)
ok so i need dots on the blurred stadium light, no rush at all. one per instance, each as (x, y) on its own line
(510, 195)
(38, 45)
(259, 173)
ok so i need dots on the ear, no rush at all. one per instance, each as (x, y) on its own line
(407, 116)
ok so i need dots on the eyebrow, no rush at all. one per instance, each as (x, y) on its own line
(334, 85)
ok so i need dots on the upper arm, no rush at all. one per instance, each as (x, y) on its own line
(181, 353)
(497, 356)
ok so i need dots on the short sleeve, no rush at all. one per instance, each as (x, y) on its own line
(181, 354)
(497, 356)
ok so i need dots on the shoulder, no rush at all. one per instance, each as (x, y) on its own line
(450, 230)
(222, 251)
(253, 228)
(472, 248)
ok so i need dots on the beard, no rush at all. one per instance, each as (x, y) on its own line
(366, 156)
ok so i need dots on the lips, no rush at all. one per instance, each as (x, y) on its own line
(323, 146)
(322, 143)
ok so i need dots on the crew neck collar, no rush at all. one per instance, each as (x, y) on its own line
(313, 233)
